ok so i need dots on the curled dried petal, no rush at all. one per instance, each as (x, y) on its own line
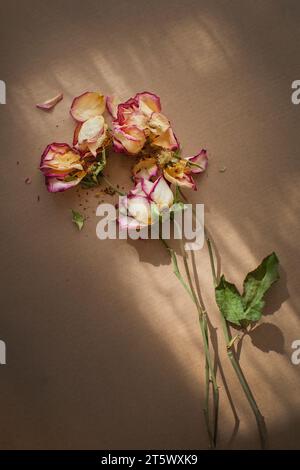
(49, 104)
(56, 185)
(112, 103)
(91, 129)
(59, 159)
(200, 162)
(87, 105)
(158, 123)
(148, 103)
(128, 139)
(183, 180)
(161, 194)
(167, 140)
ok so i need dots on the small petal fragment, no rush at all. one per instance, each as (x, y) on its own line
(49, 104)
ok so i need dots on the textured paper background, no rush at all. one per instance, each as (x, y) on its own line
(103, 344)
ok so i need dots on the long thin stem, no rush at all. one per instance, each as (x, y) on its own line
(212, 263)
(203, 326)
(208, 362)
(230, 352)
(235, 364)
(210, 372)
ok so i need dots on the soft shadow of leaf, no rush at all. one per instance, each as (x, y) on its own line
(268, 337)
(277, 295)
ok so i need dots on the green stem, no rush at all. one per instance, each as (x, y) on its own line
(235, 364)
(208, 362)
(206, 408)
(212, 263)
(176, 269)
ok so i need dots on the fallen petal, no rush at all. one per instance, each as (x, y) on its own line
(49, 104)
(201, 160)
(87, 105)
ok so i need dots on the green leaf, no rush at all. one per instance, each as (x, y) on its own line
(229, 301)
(247, 308)
(78, 219)
(256, 284)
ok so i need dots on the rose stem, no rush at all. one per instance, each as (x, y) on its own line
(203, 327)
(235, 364)
(208, 366)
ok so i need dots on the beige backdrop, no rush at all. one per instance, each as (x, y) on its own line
(103, 346)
